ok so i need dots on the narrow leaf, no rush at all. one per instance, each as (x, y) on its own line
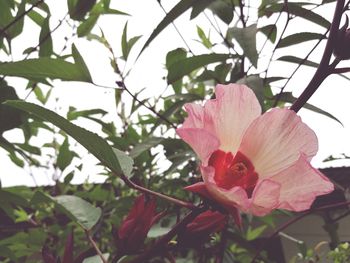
(297, 60)
(91, 141)
(288, 97)
(174, 13)
(185, 66)
(80, 63)
(65, 156)
(44, 68)
(299, 38)
(297, 10)
(45, 40)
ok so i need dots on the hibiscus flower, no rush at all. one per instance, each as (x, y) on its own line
(249, 161)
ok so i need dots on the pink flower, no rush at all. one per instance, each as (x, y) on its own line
(249, 161)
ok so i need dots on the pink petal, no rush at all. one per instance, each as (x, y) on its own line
(195, 117)
(265, 197)
(230, 114)
(274, 141)
(236, 196)
(199, 188)
(300, 184)
(201, 141)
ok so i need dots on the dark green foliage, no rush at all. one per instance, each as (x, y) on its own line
(136, 139)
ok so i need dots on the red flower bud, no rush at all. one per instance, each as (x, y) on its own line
(202, 227)
(342, 43)
(134, 228)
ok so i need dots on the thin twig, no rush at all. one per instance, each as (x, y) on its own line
(285, 7)
(176, 201)
(17, 18)
(93, 243)
(45, 38)
(122, 85)
(279, 95)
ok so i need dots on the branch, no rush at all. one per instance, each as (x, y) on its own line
(324, 69)
(340, 70)
(176, 201)
(17, 18)
(92, 242)
(164, 240)
(121, 84)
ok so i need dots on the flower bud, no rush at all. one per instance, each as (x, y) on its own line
(202, 227)
(342, 43)
(134, 228)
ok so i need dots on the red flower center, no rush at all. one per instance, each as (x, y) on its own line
(231, 171)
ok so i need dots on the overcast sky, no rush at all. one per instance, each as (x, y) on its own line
(148, 72)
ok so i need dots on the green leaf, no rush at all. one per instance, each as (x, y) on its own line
(174, 56)
(174, 13)
(270, 31)
(125, 41)
(5, 17)
(127, 44)
(299, 38)
(79, 8)
(43, 68)
(73, 114)
(297, 10)
(17, 28)
(65, 156)
(246, 38)
(145, 146)
(45, 40)
(126, 162)
(199, 7)
(76, 208)
(256, 232)
(223, 10)
(96, 259)
(256, 84)
(205, 40)
(288, 97)
(80, 211)
(91, 141)
(296, 60)
(86, 27)
(79, 62)
(185, 66)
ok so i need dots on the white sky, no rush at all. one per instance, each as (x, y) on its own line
(149, 71)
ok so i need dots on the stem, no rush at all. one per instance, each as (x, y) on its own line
(122, 85)
(163, 241)
(296, 219)
(324, 68)
(93, 243)
(176, 201)
(222, 246)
